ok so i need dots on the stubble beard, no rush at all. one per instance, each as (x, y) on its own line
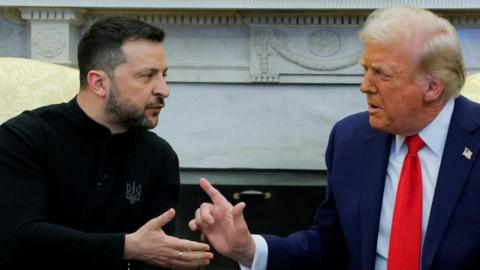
(125, 114)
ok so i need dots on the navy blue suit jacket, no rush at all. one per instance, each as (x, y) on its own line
(345, 232)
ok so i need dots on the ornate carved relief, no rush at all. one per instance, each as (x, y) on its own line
(260, 42)
(49, 41)
(54, 33)
(322, 52)
(324, 43)
(329, 47)
(262, 50)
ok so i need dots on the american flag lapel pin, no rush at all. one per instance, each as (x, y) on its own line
(467, 153)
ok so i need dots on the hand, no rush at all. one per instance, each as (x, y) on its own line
(150, 244)
(224, 226)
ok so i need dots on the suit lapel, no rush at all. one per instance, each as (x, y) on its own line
(374, 164)
(453, 173)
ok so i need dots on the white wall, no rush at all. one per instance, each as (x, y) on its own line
(254, 84)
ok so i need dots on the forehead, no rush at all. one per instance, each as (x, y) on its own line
(144, 52)
(393, 55)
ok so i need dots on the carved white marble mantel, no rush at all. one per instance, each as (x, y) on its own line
(254, 83)
(247, 4)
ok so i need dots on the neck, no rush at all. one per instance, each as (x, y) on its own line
(429, 113)
(94, 107)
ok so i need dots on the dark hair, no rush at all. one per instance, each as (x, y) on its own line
(101, 46)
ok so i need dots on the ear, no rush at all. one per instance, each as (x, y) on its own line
(98, 82)
(434, 89)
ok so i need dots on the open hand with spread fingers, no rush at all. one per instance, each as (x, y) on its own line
(224, 226)
(150, 244)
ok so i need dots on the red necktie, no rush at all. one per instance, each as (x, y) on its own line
(406, 233)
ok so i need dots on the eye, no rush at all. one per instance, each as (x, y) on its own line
(147, 77)
(382, 74)
(385, 76)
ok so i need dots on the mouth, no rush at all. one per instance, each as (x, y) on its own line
(372, 108)
(157, 107)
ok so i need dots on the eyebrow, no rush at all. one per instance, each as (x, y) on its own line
(148, 70)
(381, 68)
(377, 67)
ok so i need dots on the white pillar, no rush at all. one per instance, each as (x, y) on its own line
(54, 33)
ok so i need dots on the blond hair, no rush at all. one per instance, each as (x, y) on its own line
(437, 48)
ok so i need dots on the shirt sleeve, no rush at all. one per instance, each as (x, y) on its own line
(26, 234)
(260, 258)
(166, 196)
(167, 189)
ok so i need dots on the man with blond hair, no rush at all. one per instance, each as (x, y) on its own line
(403, 177)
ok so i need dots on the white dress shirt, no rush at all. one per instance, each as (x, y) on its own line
(434, 135)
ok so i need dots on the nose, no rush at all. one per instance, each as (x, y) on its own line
(161, 87)
(367, 86)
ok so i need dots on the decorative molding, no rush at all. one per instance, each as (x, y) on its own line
(304, 19)
(175, 18)
(317, 53)
(53, 14)
(199, 18)
(264, 78)
(234, 18)
(248, 4)
(464, 19)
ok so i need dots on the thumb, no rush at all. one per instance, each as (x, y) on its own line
(163, 219)
(237, 213)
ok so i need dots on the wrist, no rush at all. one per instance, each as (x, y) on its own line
(248, 255)
(129, 247)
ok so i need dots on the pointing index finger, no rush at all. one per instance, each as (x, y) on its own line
(215, 195)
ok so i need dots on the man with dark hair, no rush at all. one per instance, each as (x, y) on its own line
(85, 185)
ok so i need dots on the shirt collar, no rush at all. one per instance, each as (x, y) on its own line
(86, 124)
(434, 134)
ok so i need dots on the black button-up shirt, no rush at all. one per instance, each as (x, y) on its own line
(69, 190)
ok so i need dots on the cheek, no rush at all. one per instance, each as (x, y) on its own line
(394, 100)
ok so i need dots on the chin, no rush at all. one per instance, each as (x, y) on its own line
(148, 122)
(376, 124)
(152, 123)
